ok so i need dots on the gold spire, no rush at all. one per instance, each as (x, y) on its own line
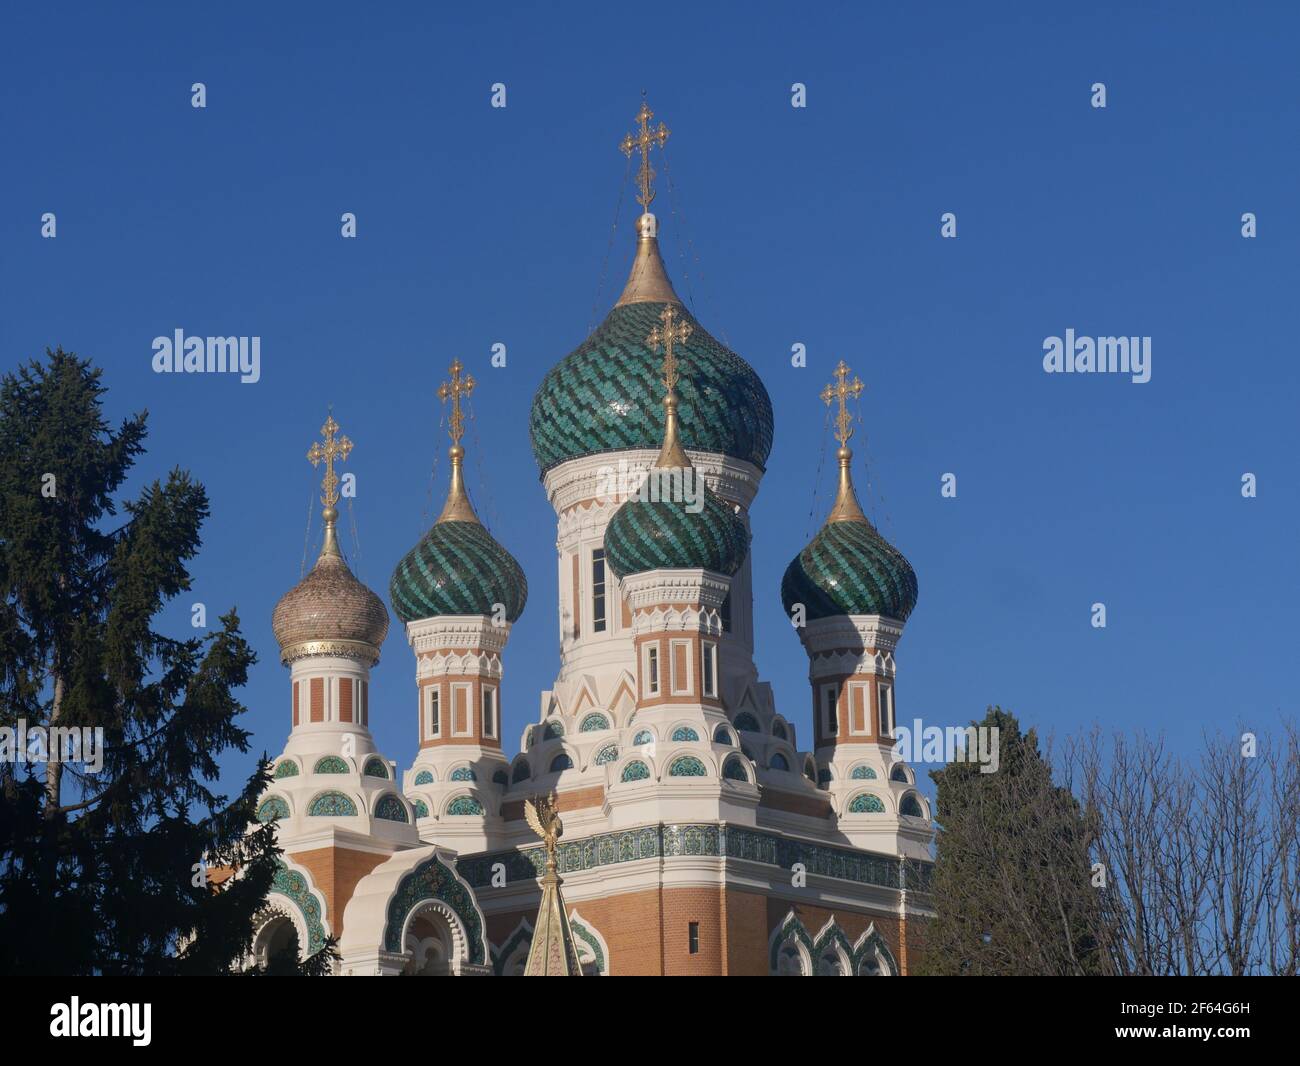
(675, 330)
(846, 507)
(457, 508)
(332, 449)
(645, 139)
(552, 952)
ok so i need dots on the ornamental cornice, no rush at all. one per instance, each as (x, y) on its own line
(610, 476)
(470, 632)
(848, 632)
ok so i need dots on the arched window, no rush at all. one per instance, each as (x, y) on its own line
(375, 768)
(554, 728)
(561, 762)
(332, 805)
(464, 805)
(463, 773)
(722, 735)
(636, 770)
(421, 808)
(272, 807)
(643, 737)
(863, 773)
(521, 772)
(734, 769)
(779, 762)
(501, 778)
(823, 778)
(778, 731)
(747, 723)
(286, 768)
(866, 803)
(331, 764)
(391, 809)
(685, 733)
(594, 723)
(830, 965)
(607, 754)
(424, 777)
(687, 766)
(911, 806)
(898, 773)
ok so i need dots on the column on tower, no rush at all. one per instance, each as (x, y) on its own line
(458, 592)
(675, 547)
(849, 594)
(331, 781)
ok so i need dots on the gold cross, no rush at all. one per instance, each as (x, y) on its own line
(332, 449)
(453, 390)
(643, 142)
(842, 389)
(669, 335)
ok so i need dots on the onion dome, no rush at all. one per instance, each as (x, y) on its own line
(457, 567)
(676, 521)
(330, 612)
(848, 567)
(604, 396)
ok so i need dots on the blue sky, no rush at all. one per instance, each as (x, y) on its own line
(817, 226)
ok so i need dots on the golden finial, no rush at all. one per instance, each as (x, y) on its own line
(846, 507)
(644, 140)
(675, 330)
(457, 508)
(332, 449)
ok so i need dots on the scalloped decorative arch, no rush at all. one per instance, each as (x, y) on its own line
(434, 881)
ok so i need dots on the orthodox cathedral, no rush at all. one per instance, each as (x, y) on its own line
(659, 816)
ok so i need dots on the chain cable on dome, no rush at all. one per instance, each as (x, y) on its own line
(427, 517)
(490, 504)
(356, 541)
(609, 248)
(306, 536)
(679, 215)
(817, 480)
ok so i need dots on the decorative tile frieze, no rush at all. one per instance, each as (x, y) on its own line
(723, 841)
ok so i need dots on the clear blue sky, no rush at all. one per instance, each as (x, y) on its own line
(818, 226)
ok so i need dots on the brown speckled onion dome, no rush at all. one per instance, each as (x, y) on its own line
(330, 612)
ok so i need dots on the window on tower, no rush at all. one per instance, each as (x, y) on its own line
(652, 670)
(490, 713)
(693, 938)
(885, 702)
(435, 715)
(598, 590)
(709, 672)
(830, 711)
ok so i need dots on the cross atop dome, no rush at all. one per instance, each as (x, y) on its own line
(644, 140)
(842, 389)
(846, 507)
(675, 330)
(457, 508)
(332, 449)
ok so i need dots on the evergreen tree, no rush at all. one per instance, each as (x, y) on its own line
(104, 872)
(1012, 883)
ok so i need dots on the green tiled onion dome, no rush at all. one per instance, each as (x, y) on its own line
(849, 568)
(604, 396)
(663, 535)
(457, 568)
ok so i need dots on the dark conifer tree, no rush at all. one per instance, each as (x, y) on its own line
(1013, 882)
(105, 872)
